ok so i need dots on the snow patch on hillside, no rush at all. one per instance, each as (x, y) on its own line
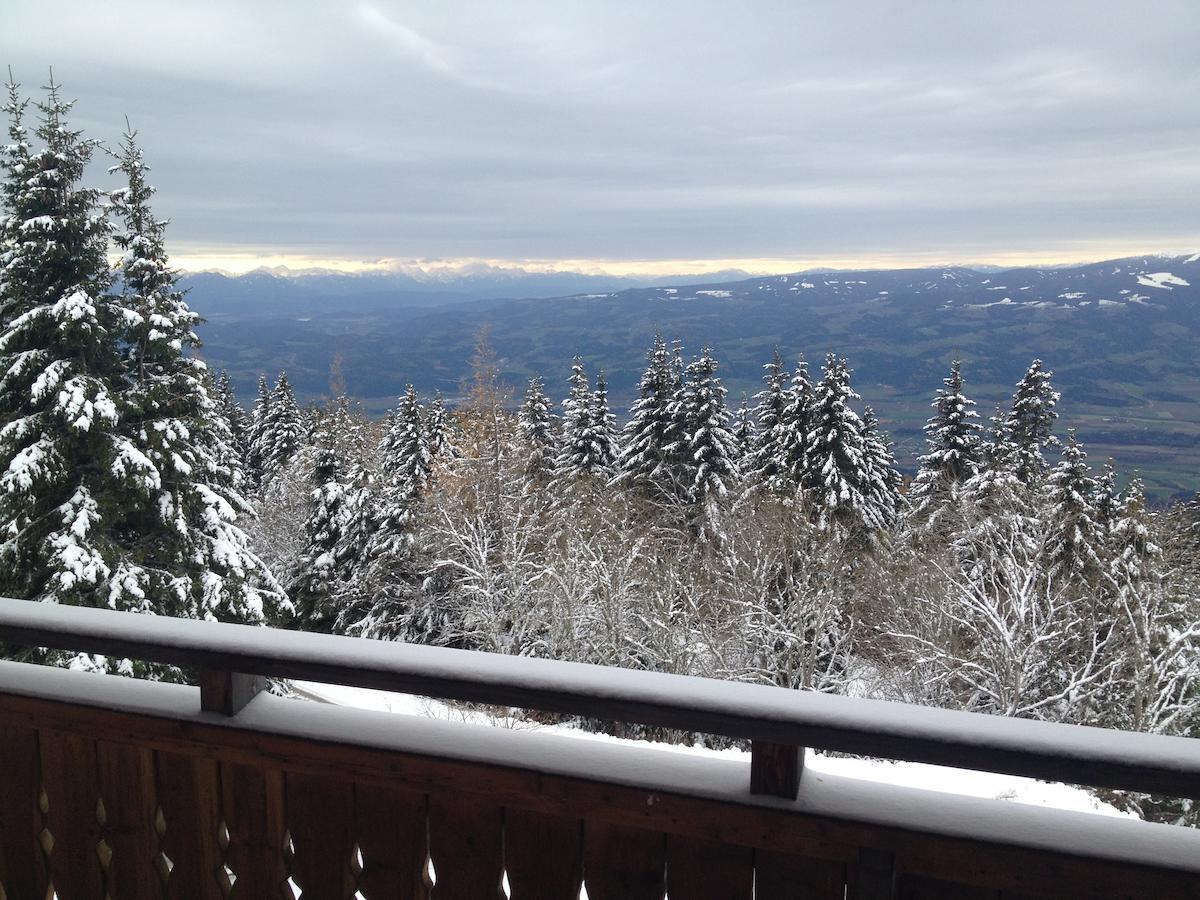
(1161, 280)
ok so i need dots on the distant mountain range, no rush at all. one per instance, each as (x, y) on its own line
(1122, 337)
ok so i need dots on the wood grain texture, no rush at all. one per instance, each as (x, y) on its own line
(780, 827)
(775, 769)
(622, 863)
(22, 863)
(393, 835)
(127, 787)
(252, 808)
(543, 855)
(466, 843)
(72, 794)
(320, 818)
(189, 795)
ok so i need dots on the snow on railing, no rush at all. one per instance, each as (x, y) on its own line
(234, 659)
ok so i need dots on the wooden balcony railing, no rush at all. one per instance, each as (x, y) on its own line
(116, 788)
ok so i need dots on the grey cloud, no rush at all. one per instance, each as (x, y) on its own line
(632, 130)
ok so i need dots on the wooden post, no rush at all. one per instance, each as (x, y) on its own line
(228, 692)
(876, 876)
(775, 769)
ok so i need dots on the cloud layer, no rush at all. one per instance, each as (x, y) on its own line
(631, 131)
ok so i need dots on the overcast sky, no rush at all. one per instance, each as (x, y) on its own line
(643, 135)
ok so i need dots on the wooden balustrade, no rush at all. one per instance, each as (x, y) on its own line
(111, 787)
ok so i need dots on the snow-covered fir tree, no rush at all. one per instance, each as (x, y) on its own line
(283, 431)
(114, 490)
(645, 462)
(706, 445)
(1075, 540)
(234, 415)
(257, 450)
(1132, 550)
(538, 428)
(437, 429)
(1030, 423)
(313, 587)
(767, 464)
(192, 559)
(1000, 507)
(797, 424)
(955, 449)
(405, 448)
(584, 455)
(883, 479)
(604, 427)
(1106, 500)
(743, 429)
(838, 476)
(65, 473)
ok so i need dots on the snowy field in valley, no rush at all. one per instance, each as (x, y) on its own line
(914, 775)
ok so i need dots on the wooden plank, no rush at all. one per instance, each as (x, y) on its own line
(189, 797)
(543, 855)
(72, 796)
(1056, 752)
(126, 782)
(252, 809)
(393, 836)
(707, 870)
(786, 876)
(775, 769)
(622, 863)
(968, 860)
(320, 818)
(22, 861)
(465, 842)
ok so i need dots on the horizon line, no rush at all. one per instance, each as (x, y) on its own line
(244, 262)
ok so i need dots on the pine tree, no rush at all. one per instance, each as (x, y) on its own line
(743, 430)
(283, 431)
(538, 429)
(707, 445)
(257, 451)
(604, 427)
(1106, 500)
(1030, 423)
(65, 474)
(405, 448)
(644, 462)
(437, 429)
(1075, 540)
(1000, 505)
(797, 424)
(579, 458)
(767, 462)
(883, 480)
(1132, 550)
(955, 448)
(838, 476)
(234, 415)
(314, 585)
(193, 560)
